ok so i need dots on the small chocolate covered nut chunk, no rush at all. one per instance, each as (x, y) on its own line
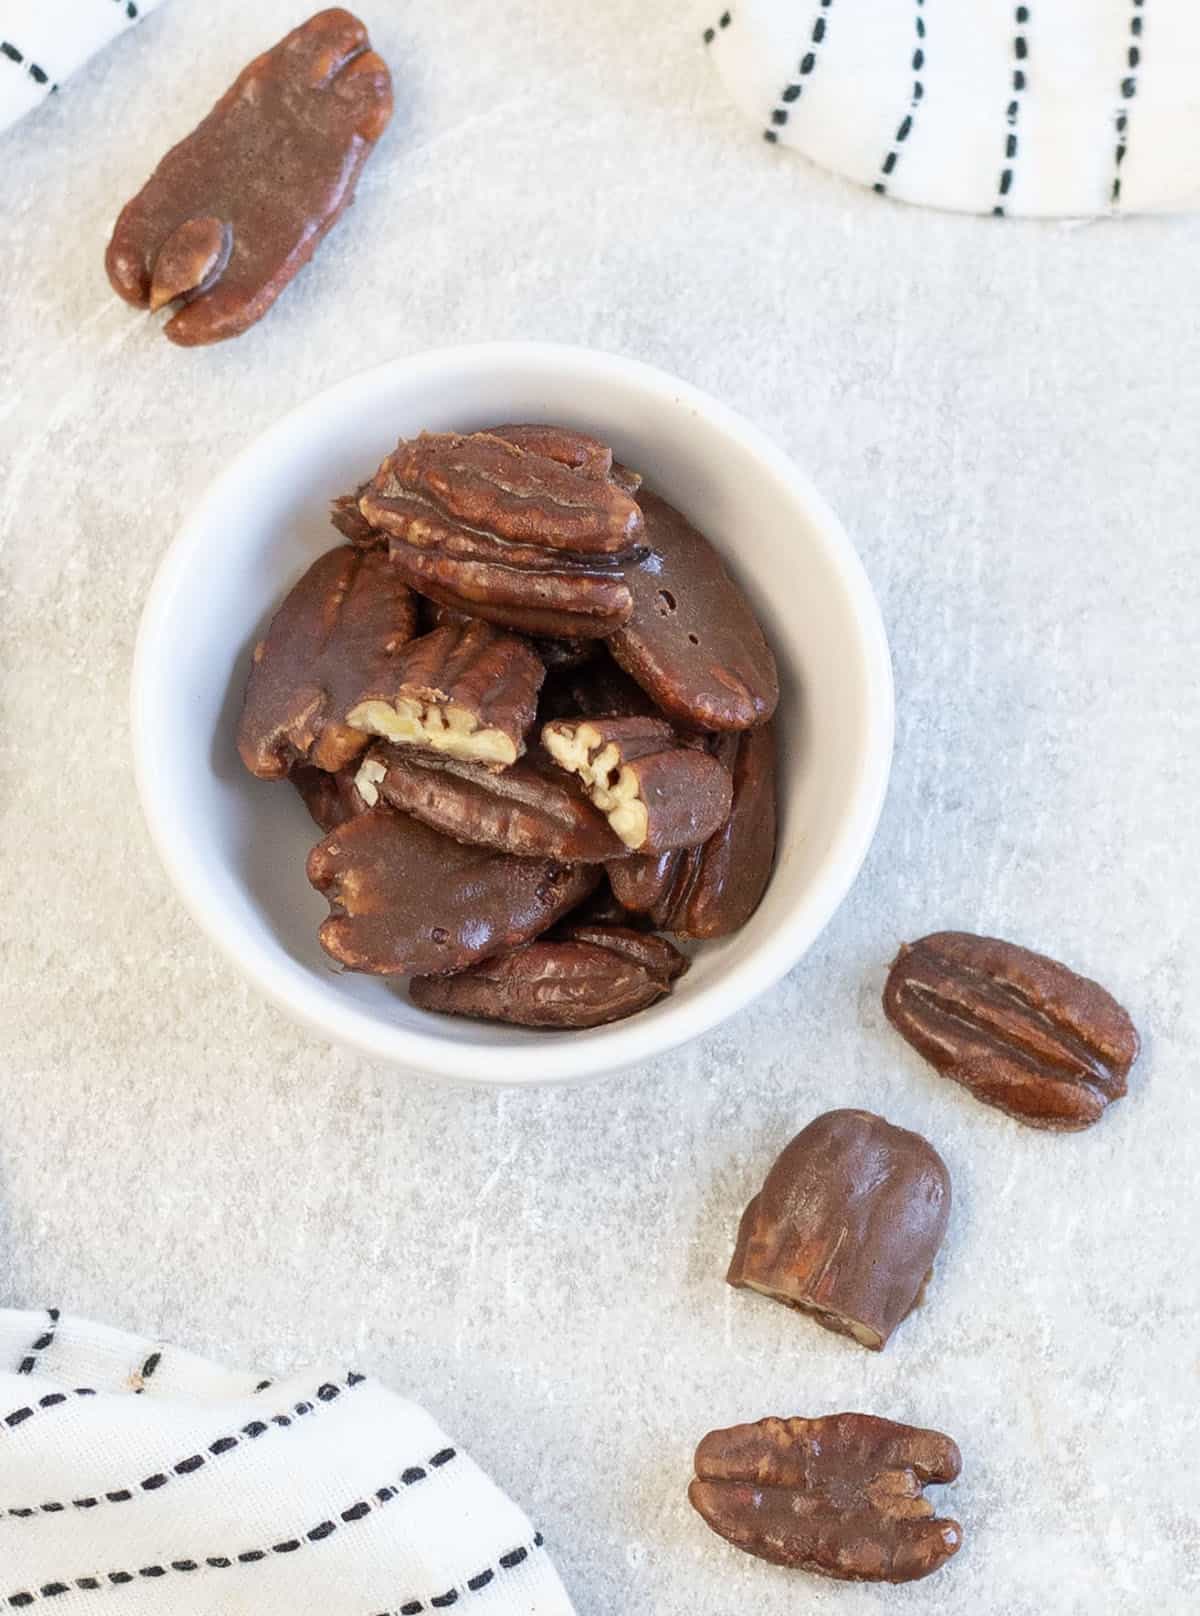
(692, 640)
(338, 632)
(532, 810)
(331, 799)
(546, 984)
(847, 1225)
(466, 691)
(404, 898)
(1021, 1031)
(232, 212)
(657, 792)
(840, 1496)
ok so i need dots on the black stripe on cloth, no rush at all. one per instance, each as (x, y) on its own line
(723, 21)
(1020, 79)
(905, 126)
(36, 73)
(43, 1344)
(18, 1416)
(1133, 59)
(327, 1393)
(472, 1585)
(146, 1372)
(794, 89)
(323, 1530)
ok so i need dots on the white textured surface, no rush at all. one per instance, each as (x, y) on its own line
(1006, 415)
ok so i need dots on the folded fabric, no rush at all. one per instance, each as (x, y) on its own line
(42, 42)
(1068, 107)
(138, 1480)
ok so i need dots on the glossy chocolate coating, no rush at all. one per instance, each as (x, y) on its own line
(234, 210)
(531, 810)
(404, 898)
(733, 871)
(545, 984)
(331, 799)
(655, 954)
(693, 641)
(847, 1225)
(338, 631)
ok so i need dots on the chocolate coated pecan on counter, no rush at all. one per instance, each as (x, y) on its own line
(515, 537)
(466, 691)
(232, 212)
(405, 898)
(1021, 1031)
(692, 640)
(532, 810)
(840, 1496)
(338, 632)
(547, 984)
(657, 792)
(847, 1225)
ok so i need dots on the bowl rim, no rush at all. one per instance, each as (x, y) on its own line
(584, 1054)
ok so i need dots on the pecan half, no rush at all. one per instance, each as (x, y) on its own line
(655, 954)
(467, 691)
(840, 1496)
(405, 898)
(692, 640)
(531, 810)
(733, 870)
(546, 984)
(338, 632)
(657, 792)
(232, 212)
(847, 1225)
(1021, 1031)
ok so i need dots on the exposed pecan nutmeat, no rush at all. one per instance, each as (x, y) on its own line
(403, 898)
(232, 212)
(467, 691)
(734, 866)
(1021, 1031)
(655, 954)
(692, 640)
(545, 984)
(841, 1496)
(331, 799)
(440, 489)
(531, 810)
(658, 794)
(847, 1225)
(338, 632)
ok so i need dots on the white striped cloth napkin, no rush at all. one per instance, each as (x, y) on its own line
(138, 1480)
(1050, 107)
(42, 42)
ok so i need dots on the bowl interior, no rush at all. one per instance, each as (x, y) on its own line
(236, 846)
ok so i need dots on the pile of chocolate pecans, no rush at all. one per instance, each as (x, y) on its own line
(846, 1228)
(532, 713)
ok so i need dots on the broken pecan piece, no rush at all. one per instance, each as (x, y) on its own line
(531, 810)
(338, 632)
(546, 984)
(840, 1496)
(234, 210)
(1021, 1031)
(847, 1225)
(403, 897)
(467, 691)
(657, 792)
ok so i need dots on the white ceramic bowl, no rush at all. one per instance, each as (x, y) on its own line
(235, 847)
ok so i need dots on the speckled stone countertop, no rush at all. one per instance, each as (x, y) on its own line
(1006, 416)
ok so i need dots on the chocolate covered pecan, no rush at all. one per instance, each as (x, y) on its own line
(404, 898)
(657, 792)
(726, 885)
(692, 640)
(655, 886)
(331, 799)
(571, 448)
(532, 810)
(655, 954)
(467, 691)
(847, 1225)
(546, 984)
(522, 540)
(232, 212)
(1019, 1030)
(339, 631)
(841, 1496)
(350, 521)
